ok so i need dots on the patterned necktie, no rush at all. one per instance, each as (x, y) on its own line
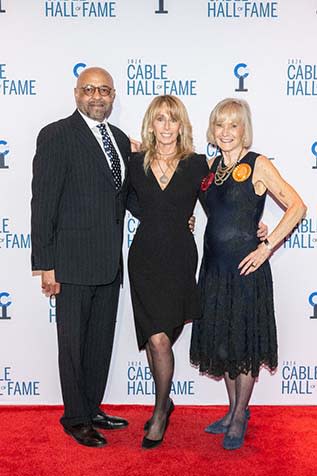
(112, 154)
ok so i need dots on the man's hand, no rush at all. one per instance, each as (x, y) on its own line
(191, 223)
(262, 231)
(49, 285)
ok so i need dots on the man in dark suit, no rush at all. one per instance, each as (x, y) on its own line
(79, 196)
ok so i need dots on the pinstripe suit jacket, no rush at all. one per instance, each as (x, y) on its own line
(77, 214)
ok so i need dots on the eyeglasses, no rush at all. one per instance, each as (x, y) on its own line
(90, 90)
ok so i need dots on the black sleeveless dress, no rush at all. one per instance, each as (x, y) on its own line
(237, 333)
(163, 256)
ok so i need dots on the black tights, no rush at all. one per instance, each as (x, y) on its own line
(239, 392)
(161, 362)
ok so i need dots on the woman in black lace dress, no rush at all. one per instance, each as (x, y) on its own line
(237, 334)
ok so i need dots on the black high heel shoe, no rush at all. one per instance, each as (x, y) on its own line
(148, 444)
(170, 410)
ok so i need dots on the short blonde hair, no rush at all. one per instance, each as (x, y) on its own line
(176, 110)
(236, 110)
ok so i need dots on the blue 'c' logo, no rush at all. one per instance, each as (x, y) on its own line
(3, 153)
(212, 151)
(313, 302)
(4, 304)
(314, 151)
(241, 76)
(78, 67)
(237, 69)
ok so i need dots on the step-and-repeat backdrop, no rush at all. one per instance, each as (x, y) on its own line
(201, 51)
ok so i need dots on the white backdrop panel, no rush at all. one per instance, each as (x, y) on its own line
(196, 49)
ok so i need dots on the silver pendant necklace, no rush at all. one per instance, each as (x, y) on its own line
(163, 178)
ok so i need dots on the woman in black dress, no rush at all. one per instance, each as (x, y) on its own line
(166, 178)
(237, 334)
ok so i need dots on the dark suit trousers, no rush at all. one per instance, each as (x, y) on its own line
(86, 317)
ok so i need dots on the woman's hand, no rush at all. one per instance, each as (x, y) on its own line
(135, 145)
(191, 223)
(254, 260)
(262, 231)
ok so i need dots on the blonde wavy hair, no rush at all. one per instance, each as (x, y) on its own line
(177, 111)
(236, 110)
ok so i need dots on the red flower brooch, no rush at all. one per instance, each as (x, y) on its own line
(207, 181)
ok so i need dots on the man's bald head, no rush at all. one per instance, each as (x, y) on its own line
(94, 74)
(95, 106)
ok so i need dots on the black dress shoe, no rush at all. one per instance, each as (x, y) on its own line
(170, 410)
(86, 435)
(107, 422)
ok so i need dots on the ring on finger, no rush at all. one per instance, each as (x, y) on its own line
(253, 265)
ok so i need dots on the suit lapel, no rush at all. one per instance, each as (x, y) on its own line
(88, 140)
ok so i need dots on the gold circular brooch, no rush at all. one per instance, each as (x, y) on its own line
(242, 172)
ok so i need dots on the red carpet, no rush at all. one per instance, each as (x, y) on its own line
(280, 441)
